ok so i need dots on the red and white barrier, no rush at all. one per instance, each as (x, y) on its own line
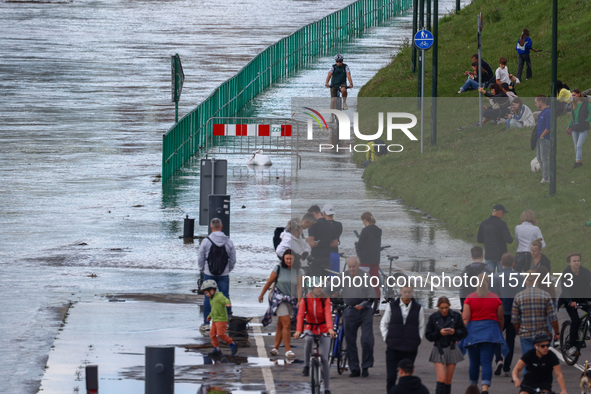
(251, 130)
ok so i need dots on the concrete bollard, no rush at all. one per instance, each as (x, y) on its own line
(92, 379)
(189, 229)
(159, 370)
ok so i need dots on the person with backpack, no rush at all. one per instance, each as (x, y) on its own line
(216, 259)
(472, 270)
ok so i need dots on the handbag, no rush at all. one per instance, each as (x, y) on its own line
(534, 138)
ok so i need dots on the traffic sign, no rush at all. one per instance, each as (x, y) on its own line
(423, 39)
(178, 77)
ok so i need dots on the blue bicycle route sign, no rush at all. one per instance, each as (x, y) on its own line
(424, 39)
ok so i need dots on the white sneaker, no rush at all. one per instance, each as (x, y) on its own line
(544, 181)
(345, 107)
(204, 327)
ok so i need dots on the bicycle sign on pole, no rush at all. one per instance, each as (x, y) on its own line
(423, 41)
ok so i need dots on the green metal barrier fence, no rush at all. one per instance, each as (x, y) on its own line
(187, 138)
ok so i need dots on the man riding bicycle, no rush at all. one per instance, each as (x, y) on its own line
(338, 75)
(539, 363)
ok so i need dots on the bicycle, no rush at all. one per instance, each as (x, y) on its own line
(315, 364)
(584, 331)
(389, 292)
(338, 348)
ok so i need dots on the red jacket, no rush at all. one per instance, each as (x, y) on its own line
(318, 317)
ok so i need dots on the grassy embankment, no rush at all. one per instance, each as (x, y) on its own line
(460, 179)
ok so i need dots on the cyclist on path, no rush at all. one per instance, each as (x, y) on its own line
(337, 80)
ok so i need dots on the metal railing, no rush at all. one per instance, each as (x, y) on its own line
(188, 137)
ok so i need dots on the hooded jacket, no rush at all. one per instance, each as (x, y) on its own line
(219, 238)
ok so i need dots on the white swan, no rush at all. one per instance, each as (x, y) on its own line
(259, 159)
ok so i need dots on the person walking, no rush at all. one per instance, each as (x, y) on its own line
(532, 309)
(368, 248)
(402, 328)
(537, 258)
(506, 292)
(218, 317)
(216, 259)
(579, 124)
(445, 328)
(525, 233)
(494, 234)
(285, 297)
(483, 317)
(358, 314)
(523, 48)
(543, 133)
(321, 237)
(472, 270)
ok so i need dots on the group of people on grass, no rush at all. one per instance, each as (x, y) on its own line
(508, 109)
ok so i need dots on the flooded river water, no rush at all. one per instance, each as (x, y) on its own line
(85, 102)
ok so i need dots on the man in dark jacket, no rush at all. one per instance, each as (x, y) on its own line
(506, 293)
(408, 384)
(402, 328)
(576, 289)
(495, 236)
(321, 235)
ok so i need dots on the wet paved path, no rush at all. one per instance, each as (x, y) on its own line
(122, 325)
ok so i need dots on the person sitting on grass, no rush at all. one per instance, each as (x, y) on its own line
(473, 82)
(499, 103)
(502, 73)
(520, 116)
(218, 317)
(315, 318)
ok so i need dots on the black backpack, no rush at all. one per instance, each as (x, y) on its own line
(277, 237)
(217, 259)
(382, 149)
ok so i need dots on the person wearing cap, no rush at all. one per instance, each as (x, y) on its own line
(320, 238)
(494, 234)
(408, 383)
(539, 363)
(315, 318)
(335, 260)
(218, 316)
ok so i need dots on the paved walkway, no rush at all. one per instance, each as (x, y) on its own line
(113, 332)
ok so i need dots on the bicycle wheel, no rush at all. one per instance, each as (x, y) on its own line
(342, 359)
(315, 375)
(565, 344)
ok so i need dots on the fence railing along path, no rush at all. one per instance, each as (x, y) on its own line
(188, 137)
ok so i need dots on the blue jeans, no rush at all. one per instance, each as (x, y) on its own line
(223, 286)
(493, 265)
(481, 355)
(513, 123)
(526, 345)
(578, 139)
(543, 155)
(469, 85)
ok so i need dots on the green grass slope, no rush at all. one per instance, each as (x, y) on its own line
(460, 179)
